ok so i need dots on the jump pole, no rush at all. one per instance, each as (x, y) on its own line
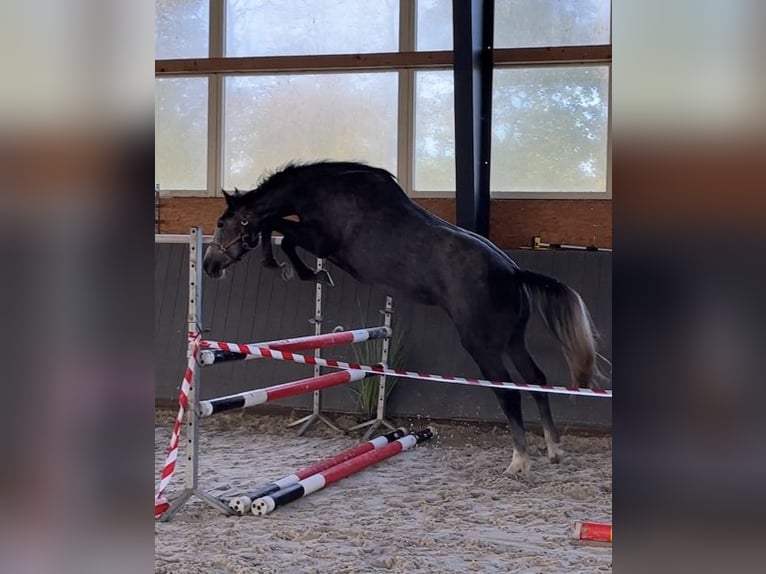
(380, 417)
(191, 487)
(242, 504)
(269, 503)
(224, 352)
(276, 392)
(254, 349)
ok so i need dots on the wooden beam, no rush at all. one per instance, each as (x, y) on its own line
(292, 64)
(554, 55)
(379, 61)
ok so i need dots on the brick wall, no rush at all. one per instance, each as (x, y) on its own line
(513, 222)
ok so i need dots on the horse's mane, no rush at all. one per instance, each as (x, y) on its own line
(292, 169)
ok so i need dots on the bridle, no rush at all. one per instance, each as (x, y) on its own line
(243, 238)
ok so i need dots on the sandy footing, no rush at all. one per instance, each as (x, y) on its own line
(444, 507)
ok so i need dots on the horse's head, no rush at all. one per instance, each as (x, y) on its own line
(236, 233)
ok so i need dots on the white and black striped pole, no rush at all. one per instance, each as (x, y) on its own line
(242, 504)
(269, 503)
(283, 391)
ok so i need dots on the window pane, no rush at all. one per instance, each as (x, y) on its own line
(434, 25)
(271, 120)
(277, 27)
(434, 131)
(180, 117)
(549, 129)
(530, 23)
(181, 28)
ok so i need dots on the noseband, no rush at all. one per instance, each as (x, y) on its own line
(243, 238)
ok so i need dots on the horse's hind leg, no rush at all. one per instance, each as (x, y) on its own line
(531, 373)
(510, 402)
(490, 363)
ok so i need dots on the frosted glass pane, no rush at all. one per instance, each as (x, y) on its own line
(549, 129)
(271, 120)
(181, 28)
(180, 133)
(530, 23)
(294, 27)
(434, 25)
(434, 131)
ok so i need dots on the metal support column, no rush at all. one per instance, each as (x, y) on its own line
(473, 29)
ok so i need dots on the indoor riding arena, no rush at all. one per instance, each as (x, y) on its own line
(383, 286)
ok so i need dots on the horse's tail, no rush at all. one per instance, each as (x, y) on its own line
(566, 315)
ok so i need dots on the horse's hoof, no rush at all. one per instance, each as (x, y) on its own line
(287, 271)
(324, 277)
(519, 466)
(555, 453)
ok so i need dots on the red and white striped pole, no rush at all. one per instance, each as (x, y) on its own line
(242, 504)
(160, 504)
(255, 349)
(318, 481)
(592, 532)
(260, 396)
(242, 352)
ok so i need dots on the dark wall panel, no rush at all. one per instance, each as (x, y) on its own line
(255, 304)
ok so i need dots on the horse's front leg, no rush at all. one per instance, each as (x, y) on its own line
(295, 235)
(267, 249)
(304, 272)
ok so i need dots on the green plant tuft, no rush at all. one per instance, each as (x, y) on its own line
(368, 353)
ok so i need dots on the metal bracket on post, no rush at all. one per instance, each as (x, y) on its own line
(316, 413)
(191, 487)
(380, 418)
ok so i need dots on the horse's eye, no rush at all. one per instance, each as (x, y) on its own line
(244, 222)
(219, 224)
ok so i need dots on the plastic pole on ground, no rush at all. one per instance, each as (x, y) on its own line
(241, 504)
(269, 503)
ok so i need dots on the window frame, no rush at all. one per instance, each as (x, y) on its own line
(406, 61)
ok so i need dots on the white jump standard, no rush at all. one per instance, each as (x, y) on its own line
(241, 504)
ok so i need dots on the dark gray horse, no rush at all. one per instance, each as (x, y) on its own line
(358, 218)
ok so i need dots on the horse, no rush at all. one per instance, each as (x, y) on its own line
(358, 217)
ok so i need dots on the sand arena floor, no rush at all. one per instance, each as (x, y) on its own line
(444, 507)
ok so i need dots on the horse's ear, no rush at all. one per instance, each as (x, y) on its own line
(230, 199)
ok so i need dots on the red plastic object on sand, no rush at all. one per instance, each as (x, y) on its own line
(592, 532)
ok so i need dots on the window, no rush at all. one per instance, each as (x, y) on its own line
(300, 27)
(181, 28)
(532, 23)
(271, 120)
(434, 131)
(550, 119)
(549, 129)
(180, 116)
(434, 25)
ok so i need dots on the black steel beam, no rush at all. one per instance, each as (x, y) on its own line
(473, 30)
